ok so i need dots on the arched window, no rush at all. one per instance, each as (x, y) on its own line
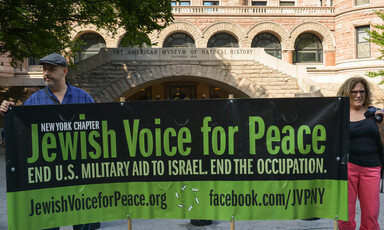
(269, 42)
(308, 48)
(92, 43)
(179, 40)
(222, 40)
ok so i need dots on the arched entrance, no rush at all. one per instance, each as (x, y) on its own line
(206, 79)
(207, 73)
(177, 89)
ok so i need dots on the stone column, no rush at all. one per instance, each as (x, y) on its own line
(330, 57)
(274, 3)
(288, 56)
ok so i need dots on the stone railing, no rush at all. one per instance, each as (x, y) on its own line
(253, 10)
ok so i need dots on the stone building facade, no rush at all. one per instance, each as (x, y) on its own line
(247, 48)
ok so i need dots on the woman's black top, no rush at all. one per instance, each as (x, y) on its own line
(364, 143)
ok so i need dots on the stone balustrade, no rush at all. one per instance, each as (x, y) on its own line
(253, 10)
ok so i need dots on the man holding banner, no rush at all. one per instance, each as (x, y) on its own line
(58, 91)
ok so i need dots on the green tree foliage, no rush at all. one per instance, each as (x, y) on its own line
(35, 28)
(377, 37)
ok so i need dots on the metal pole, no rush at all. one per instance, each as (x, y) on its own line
(129, 222)
(232, 225)
(335, 225)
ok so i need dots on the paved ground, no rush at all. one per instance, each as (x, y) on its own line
(184, 224)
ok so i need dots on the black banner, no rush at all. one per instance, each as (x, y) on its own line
(185, 140)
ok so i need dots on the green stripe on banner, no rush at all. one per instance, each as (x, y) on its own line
(216, 200)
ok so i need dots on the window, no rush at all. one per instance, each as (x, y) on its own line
(269, 42)
(259, 3)
(179, 40)
(308, 48)
(180, 3)
(211, 3)
(33, 61)
(92, 43)
(363, 47)
(361, 2)
(175, 92)
(222, 40)
(287, 3)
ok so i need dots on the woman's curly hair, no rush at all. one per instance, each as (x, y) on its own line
(346, 88)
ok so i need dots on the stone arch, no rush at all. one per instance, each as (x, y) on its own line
(226, 27)
(153, 37)
(80, 30)
(268, 27)
(140, 78)
(316, 28)
(182, 27)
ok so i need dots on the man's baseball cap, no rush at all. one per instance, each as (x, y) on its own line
(54, 59)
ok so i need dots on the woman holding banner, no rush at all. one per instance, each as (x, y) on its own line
(364, 165)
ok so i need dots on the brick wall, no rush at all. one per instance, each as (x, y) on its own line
(345, 32)
(270, 2)
(247, 22)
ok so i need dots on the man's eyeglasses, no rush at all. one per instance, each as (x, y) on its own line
(355, 92)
